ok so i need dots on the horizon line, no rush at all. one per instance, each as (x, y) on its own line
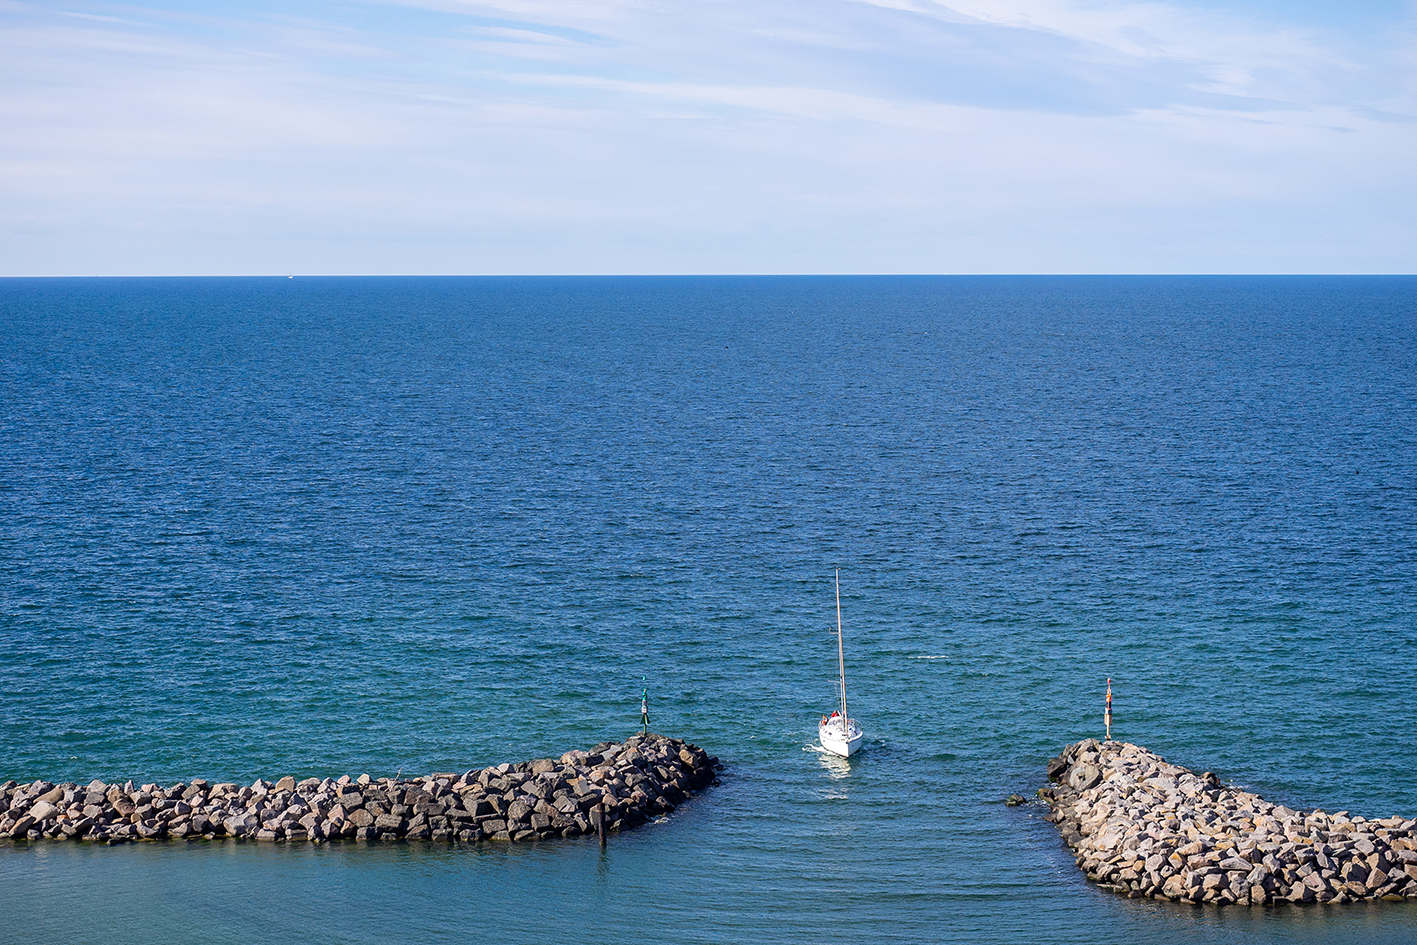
(707, 275)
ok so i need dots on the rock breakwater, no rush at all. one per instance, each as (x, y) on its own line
(627, 783)
(1146, 828)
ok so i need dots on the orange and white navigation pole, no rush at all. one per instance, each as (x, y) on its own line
(1107, 716)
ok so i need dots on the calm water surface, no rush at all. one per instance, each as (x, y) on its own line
(321, 526)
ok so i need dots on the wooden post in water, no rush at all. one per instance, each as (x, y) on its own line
(600, 821)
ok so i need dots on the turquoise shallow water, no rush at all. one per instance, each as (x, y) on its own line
(253, 527)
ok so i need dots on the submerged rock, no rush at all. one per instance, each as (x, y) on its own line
(1146, 828)
(631, 782)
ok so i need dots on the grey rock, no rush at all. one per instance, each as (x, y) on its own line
(1355, 871)
(634, 779)
(1147, 828)
(1085, 777)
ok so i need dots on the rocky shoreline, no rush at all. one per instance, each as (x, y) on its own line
(619, 784)
(1146, 828)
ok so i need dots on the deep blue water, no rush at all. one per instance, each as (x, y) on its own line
(251, 527)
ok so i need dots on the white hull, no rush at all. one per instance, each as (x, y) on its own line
(839, 742)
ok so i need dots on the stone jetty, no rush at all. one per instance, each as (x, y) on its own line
(626, 783)
(1146, 828)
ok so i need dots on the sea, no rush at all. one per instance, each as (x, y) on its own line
(252, 527)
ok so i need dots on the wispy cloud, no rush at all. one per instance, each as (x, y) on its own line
(723, 135)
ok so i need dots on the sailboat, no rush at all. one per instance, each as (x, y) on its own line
(839, 733)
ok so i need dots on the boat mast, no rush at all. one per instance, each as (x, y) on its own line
(840, 653)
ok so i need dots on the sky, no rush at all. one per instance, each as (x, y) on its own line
(707, 136)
